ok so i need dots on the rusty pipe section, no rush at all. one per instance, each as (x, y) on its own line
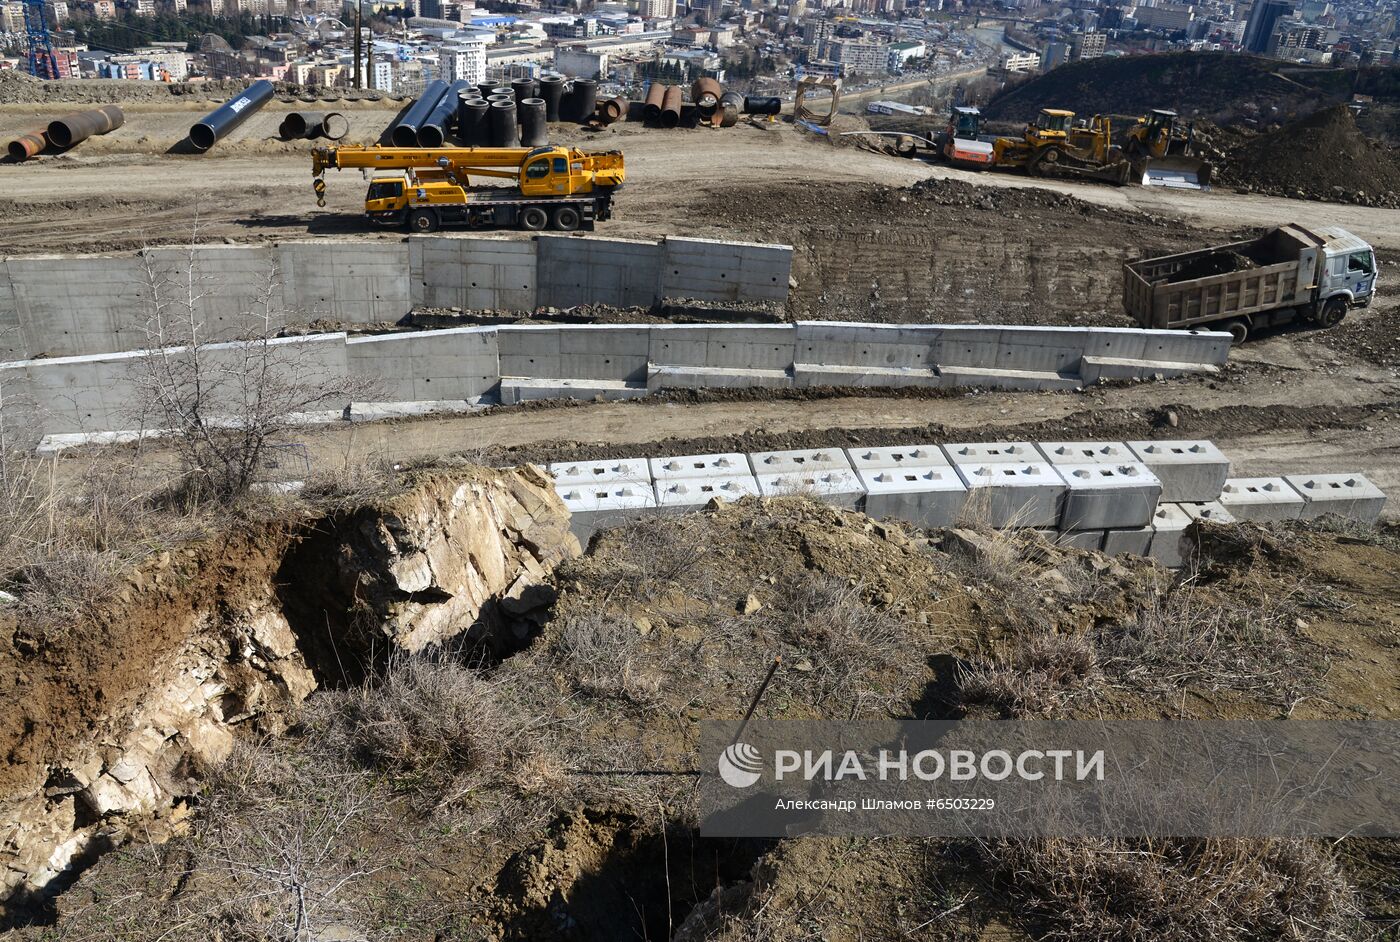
(651, 106)
(28, 144)
(705, 92)
(671, 107)
(79, 126)
(614, 109)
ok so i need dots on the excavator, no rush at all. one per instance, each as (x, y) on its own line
(1055, 145)
(555, 187)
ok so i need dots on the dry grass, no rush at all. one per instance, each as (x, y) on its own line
(1176, 890)
(603, 658)
(1035, 676)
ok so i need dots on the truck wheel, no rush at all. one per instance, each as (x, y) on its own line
(566, 219)
(1332, 312)
(1239, 331)
(423, 220)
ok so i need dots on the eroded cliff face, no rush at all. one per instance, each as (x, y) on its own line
(108, 725)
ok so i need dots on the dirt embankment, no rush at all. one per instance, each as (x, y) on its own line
(1321, 157)
(550, 796)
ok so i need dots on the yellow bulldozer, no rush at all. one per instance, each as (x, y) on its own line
(1163, 152)
(1055, 145)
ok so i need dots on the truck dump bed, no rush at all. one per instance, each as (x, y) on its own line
(1241, 278)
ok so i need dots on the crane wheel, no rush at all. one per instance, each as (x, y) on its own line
(423, 220)
(566, 219)
(533, 218)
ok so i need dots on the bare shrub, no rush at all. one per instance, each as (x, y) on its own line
(1184, 640)
(1034, 676)
(655, 554)
(1177, 890)
(602, 657)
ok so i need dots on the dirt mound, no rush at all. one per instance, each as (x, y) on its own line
(1322, 157)
(1217, 263)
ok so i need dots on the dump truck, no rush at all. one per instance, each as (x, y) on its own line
(554, 187)
(1293, 272)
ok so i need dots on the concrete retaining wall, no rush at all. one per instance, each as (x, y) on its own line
(56, 306)
(413, 371)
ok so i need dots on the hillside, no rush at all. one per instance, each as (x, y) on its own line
(1222, 87)
(1323, 156)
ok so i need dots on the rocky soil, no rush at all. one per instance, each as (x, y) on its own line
(1320, 157)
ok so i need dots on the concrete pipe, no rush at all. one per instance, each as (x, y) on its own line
(671, 107)
(522, 89)
(534, 128)
(334, 125)
(552, 91)
(585, 101)
(76, 128)
(405, 133)
(433, 131)
(651, 106)
(495, 98)
(217, 124)
(504, 131)
(502, 90)
(28, 144)
(763, 106)
(705, 92)
(472, 127)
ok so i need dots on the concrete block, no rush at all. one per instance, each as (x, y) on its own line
(706, 377)
(799, 461)
(607, 471)
(602, 505)
(1012, 380)
(969, 347)
(1003, 494)
(1187, 346)
(619, 272)
(1088, 540)
(898, 456)
(693, 493)
(1104, 496)
(1055, 350)
(925, 496)
(712, 270)
(1210, 511)
(1137, 541)
(1115, 342)
(699, 466)
(836, 487)
(1189, 470)
(880, 348)
(730, 346)
(813, 375)
(1261, 499)
(1169, 524)
(517, 389)
(1064, 453)
(1346, 495)
(978, 453)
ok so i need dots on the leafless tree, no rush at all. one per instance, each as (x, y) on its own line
(226, 399)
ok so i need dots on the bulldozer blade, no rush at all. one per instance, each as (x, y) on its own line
(1180, 173)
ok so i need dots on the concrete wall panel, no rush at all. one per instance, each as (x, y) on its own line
(711, 270)
(472, 273)
(351, 282)
(620, 272)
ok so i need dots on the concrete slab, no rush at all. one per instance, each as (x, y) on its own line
(693, 493)
(811, 375)
(624, 470)
(803, 460)
(923, 496)
(1189, 470)
(1261, 499)
(1104, 496)
(1062, 453)
(1169, 523)
(699, 466)
(898, 456)
(517, 389)
(975, 453)
(1137, 541)
(1013, 380)
(1210, 511)
(377, 411)
(1346, 495)
(599, 506)
(708, 377)
(1100, 369)
(1013, 495)
(836, 487)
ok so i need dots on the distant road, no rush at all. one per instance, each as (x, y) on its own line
(885, 91)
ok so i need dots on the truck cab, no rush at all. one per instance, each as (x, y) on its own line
(1349, 269)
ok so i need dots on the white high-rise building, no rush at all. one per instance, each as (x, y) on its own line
(657, 9)
(464, 59)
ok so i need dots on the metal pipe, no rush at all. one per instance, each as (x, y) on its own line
(78, 127)
(28, 144)
(754, 105)
(405, 133)
(335, 125)
(552, 91)
(651, 109)
(471, 121)
(705, 92)
(504, 131)
(299, 124)
(730, 105)
(217, 124)
(534, 130)
(612, 110)
(671, 107)
(433, 131)
(585, 100)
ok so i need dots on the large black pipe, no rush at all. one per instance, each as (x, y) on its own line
(298, 124)
(502, 89)
(585, 100)
(405, 133)
(522, 89)
(486, 88)
(471, 122)
(433, 131)
(75, 128)
(754, 105)
(534, 129)
(552, 91)
(504, 132)
(216, 125)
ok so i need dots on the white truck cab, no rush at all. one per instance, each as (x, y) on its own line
(1350, 268)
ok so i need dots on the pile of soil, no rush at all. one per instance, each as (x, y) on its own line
(1321, 157)
(1216, 263)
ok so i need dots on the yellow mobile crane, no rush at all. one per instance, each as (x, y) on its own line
(555, 187)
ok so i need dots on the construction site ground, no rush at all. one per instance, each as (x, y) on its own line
(876, 238)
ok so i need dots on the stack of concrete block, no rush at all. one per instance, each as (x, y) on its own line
(1346, 495)
(1261, 499)
(1108, 496)
(916, 484)
(1192, 471)
(821, 473)
(602, 494)
(689, 482)
(1009, 484)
